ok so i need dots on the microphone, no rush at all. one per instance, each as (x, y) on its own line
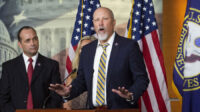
(45, 101)
(73, 71)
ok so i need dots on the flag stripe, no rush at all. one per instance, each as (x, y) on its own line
(143, 106)
(71, 54)
(156, 56)
(153, 102)
(68, 66)
(147, 102)
(152, 96)
(156, 63)
(158, 51)
(152, 76)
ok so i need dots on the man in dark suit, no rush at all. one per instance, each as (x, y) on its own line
(25, 79)
(114, 75)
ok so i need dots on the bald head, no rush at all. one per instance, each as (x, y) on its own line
(104, 23)
(106, 10)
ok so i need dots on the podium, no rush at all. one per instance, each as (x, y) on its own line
(63, 110)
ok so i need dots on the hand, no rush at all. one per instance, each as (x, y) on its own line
(123, 92)
(60, 89)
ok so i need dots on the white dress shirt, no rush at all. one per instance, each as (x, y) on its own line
(34, 58)
(99, 51)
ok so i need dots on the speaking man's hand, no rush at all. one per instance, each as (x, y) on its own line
(60, 89)
(123, 92)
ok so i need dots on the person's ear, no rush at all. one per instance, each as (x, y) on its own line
(114, 22)
(19, 44)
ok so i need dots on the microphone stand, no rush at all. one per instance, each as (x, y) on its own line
(45, 101)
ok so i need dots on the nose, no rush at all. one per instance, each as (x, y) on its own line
(32, 42)
(101, 22)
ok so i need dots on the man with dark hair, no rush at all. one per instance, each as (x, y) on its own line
(111, 68)
(25, 79)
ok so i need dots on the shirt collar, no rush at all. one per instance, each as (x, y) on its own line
(34, 58)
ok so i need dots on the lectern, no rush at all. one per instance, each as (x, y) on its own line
(62, 110)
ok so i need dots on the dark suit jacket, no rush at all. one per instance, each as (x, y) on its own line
(126, 68)
(14, 84)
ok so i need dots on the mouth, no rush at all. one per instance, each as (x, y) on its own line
(33, 48)
(101, 29)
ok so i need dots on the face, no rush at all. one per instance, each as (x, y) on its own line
(29, 42)
(83, 43)
(104, 24)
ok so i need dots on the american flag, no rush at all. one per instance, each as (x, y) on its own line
(83, 27)
(143, 28)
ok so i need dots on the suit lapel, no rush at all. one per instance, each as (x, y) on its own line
(22, 68)
(91, 55)
(113, 56)
(38, 68)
